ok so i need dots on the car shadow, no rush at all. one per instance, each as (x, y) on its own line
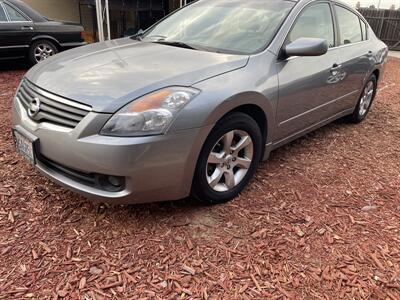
(14, 65)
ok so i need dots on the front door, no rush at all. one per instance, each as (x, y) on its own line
(308, 86)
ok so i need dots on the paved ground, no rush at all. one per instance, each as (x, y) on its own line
(394, 54)
(320, 221)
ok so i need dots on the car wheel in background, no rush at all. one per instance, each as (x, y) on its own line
(228, 159)
(41, 50)
(365, 101)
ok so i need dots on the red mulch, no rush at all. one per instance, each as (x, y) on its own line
(321, 220)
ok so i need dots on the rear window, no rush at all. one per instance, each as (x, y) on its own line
(14, 15)
(2, 15)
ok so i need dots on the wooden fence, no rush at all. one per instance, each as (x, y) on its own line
(386, 25)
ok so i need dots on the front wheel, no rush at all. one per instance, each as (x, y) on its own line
(228, 159)
(365, 101)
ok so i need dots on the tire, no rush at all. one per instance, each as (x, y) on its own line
(365, 101)
(41, 50)
(237, 167)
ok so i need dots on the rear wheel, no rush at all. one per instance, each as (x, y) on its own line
(365, 102)
(228, 159)
(41, 50)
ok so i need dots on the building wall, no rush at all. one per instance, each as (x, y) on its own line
(66, 10)
(125, 15)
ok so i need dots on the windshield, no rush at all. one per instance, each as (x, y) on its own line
(230, 26)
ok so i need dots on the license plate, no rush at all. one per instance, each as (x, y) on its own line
(24, 146)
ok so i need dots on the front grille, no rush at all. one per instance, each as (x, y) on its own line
(52, 109)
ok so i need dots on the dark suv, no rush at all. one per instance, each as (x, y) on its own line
(26, 33)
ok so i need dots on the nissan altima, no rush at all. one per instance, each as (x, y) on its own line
(190, 106)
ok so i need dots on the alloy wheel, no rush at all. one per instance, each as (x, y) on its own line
(43, 51)
(366, 99)
(229, 160)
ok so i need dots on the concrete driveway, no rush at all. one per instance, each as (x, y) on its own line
(394, 54)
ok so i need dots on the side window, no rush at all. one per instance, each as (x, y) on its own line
(13, 14)
(3, 17)
(349, 26)
(314, 22)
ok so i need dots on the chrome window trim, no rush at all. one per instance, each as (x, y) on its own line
(335, 31)
(11, 22)
(356, 13)
(28, 19)
(6, 14)
(331, 3)
(366, 29)
(308, 5)
(301, 11)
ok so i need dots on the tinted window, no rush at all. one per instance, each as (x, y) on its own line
(13, 14)
(314, 22)
(2, 15)
(349, 26)
(225, 25)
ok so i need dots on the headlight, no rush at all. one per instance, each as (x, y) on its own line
(151, 114)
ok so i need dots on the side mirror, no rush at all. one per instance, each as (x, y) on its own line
(306, 47)
(138, 35)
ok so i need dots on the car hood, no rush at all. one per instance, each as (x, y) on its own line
(111, 74)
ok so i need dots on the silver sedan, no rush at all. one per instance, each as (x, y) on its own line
(193, 104)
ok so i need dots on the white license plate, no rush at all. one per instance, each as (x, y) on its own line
(24, 146)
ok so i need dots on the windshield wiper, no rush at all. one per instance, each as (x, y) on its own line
(176, 44)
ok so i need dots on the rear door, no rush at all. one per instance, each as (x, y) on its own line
(16, 33)
(355, 53)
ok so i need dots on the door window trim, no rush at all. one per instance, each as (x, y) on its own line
(302, 11)
(5, 13)
(335, 23)
(365, 27)
(360, 19)
(28, 19)
(298, 15)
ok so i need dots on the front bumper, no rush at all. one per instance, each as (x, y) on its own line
(155, 168)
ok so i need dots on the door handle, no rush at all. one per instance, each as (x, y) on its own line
(27, 28)
(335, 68)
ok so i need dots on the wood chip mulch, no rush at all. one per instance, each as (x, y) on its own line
(321, 220)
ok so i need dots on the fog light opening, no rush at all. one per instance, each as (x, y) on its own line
(111, 183)
(115, 181)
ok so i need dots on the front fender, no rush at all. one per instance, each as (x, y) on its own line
(238, 100)
(256, 84)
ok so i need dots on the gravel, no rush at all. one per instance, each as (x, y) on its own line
(320, 220)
